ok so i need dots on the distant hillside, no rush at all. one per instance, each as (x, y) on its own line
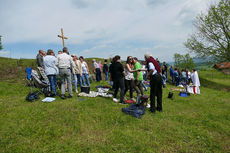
(203, 63)
(200, 63)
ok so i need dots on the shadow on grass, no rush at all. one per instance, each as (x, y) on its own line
(213, 85)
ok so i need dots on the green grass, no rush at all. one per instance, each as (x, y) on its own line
(198, 123)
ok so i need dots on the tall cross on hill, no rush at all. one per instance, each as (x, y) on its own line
(63, 37)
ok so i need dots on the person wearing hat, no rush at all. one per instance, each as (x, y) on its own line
(77, 71)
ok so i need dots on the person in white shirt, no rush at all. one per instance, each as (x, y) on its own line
(85, 71)
(51, 69)
(97, 70)
(195, 81)
(64, 62)
(129, 79)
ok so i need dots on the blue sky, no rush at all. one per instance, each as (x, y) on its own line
(99, 28)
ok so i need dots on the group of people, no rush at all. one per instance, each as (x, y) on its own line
(98, 68)
(130, 77)
(67, 67)
(184, 77)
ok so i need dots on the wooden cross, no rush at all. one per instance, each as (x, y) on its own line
(62, 36)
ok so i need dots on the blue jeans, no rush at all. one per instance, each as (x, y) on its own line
(164, 79)
(143, 85)
(85, 79)
(77, 79)
(98, 74)
(145, 76)
(106, 76)
(166, 74)
(53, 83)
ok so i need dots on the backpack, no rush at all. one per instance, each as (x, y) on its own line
(170, 95)
(31, 97)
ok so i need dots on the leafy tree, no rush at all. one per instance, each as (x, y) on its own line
(0, 42)
(183, 61)
(213, 33)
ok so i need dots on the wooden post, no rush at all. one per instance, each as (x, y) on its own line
(63, 37)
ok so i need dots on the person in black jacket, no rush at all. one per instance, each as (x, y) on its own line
(106, 70)
(117, 73)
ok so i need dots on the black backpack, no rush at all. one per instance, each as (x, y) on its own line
(170, 95)
(31, 97)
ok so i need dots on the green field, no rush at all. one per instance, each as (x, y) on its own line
(198, 123)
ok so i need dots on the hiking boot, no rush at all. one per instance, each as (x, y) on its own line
(63, 97)
(115, 100)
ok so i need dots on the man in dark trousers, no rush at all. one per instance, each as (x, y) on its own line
(117, 73)
(154, 75)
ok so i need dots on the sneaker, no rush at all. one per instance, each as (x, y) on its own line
(115, 100)
(70, 96)
(133, 99)
(76, 91)
(148, 106)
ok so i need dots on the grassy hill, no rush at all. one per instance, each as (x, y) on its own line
(14, 69)
(198, 123)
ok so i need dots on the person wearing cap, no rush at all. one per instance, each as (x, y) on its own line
(77, 71)
(51, 69)
(154, 71)
(64, 62)
(85, 71)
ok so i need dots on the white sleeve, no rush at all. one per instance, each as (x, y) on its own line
(151, 66)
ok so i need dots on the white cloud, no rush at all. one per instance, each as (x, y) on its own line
(106, 22)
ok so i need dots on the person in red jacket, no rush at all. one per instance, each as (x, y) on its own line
(154, 75)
